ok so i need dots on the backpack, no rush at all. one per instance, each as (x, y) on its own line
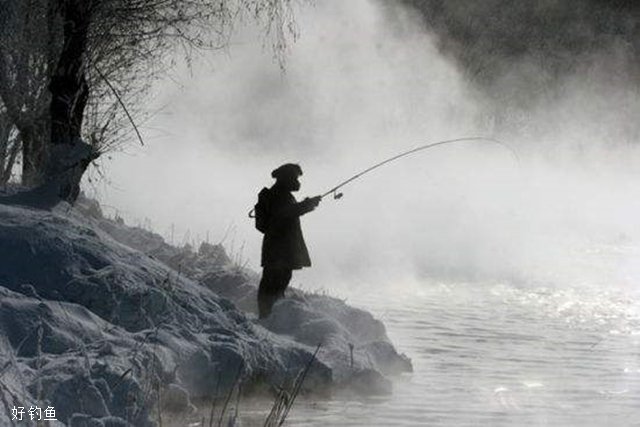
(261, 210)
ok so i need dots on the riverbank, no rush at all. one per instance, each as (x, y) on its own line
(105, 321)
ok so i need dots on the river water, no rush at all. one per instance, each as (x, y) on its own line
(499, 355)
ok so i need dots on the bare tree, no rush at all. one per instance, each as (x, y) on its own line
(25, 56)
(70, 68)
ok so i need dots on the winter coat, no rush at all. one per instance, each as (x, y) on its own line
(283, 244)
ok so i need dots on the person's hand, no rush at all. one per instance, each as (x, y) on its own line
(313, 201)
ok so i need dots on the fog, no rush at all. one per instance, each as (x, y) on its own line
(362, 83)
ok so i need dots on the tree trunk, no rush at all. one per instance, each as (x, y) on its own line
(65, 157)
(69, 154)
(34, 154)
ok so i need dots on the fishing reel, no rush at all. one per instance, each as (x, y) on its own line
(336, 195)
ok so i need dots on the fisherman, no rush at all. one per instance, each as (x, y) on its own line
(283, 248)
(277, 212)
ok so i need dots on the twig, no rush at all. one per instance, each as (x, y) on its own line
(158, 402)
(121, 379)
(226, 402)
(39, 363)
(298, 384)
(115, 93)
(4, 400)
(235, 415)
(281, 401)
(213, 401)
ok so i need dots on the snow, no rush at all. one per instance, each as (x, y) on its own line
(102, 321)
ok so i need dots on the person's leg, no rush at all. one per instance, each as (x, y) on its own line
(283, 282)
(272, 286)
(266, 292)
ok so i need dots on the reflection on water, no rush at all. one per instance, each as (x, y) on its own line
(497, 355)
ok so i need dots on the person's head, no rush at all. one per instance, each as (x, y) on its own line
(287, 176)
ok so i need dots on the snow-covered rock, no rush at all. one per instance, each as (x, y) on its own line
(102, 320)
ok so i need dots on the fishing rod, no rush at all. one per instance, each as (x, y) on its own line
(337, 195)
(427, 146)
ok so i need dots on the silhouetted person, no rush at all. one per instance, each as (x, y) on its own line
(283, 247)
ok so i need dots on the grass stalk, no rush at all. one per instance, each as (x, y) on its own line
(226, 402)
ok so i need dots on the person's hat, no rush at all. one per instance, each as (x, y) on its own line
(287, 171)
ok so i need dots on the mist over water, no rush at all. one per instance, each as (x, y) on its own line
(364, 82)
